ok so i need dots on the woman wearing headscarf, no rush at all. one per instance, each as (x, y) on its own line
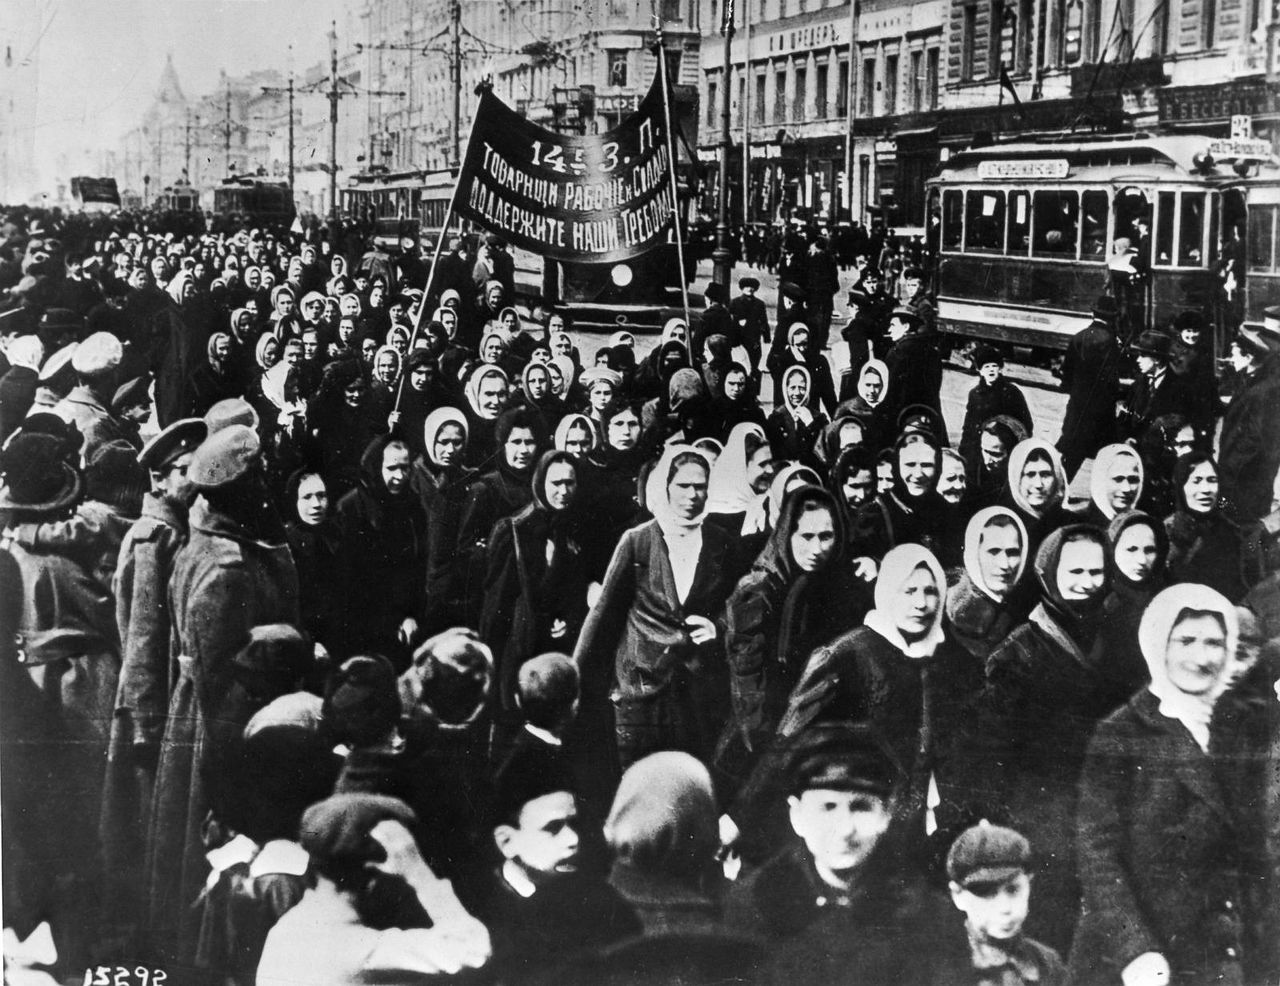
(215, 379)
(602, 386)
(610, 477)
(1115, 485)
(343, 423)
(1037, 490)
(384, 380)
(314, 542)
(912, 512)
(656, 369)
(869, 403)
(564, 381)
(654, 640)
(535, 392)
(683, 416)
(180, 333)
(575, 434)
(384, 547)
(1204, 544)
(1047, 688)
(716, 361)
(789, 604)
(794, 425)
(499, 492)
(985, 604)
(421, 394)
(535, 595)
(737, 404)
(18, 385)
(1136, 556)
(487, 391)
(799, 351)
(1160, 861)
(738, 494)
(1167, 439)
(441, 482)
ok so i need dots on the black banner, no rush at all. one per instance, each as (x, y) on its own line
(596, 199)
(95, 190)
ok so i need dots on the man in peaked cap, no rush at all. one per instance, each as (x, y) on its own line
(750, 318)
(349, 838)
(87, 406)
(836, 898)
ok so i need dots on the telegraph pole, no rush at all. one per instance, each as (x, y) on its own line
(334, 96)
(226, 131)
(455, 12)
(722, 256)
(186, 148)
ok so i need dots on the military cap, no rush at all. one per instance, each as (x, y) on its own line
(225, 456)
(179, 438)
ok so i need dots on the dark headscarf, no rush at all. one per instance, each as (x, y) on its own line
(1080, 618)
(508, 421)
(1121, 523)
(776, 555)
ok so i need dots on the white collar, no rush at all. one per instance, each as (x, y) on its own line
(241, 849)
(517, 880)
(546, 736)
(280, 856)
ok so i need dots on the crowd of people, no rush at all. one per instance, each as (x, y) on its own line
(366, 628)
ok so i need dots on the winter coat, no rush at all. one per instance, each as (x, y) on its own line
(1159, 854)
(1146, 402)
(915, 373)
(225, 582)
(1091, 379)
(84, 409)
(17, 393)
(986, 402)
(1249, 454)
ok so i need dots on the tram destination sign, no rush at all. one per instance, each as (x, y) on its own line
(601, 198)
(1240, 150)
(1055, 167)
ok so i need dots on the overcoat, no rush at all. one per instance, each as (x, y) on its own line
(1091, 378)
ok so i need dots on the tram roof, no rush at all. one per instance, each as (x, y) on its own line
(1089, 158)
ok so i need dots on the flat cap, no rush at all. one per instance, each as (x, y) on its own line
(225, 456)
(337, 829)
(987, 853)
(840, 757)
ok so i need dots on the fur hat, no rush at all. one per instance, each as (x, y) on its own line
(225, 456)
(100, 353)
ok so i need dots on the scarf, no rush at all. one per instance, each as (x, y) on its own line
(1018, 461)
(972, 545)
(896, 568)
(1110, 459)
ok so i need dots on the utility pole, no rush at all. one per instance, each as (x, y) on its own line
(334, 96)
(186, 149)
(747, 80)
(455, 13)
(226, 132)
(722, 256)
(289, 91)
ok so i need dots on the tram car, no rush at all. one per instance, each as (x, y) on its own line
(402, 210)
(243, 201)
(1029, 234)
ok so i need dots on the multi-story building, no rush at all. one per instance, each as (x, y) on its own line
(19, 89)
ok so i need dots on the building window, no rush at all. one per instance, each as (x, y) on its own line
(713, 90)
(801, 95)
(1022, 62)
(969, 42)
(820, 93)
(867, 97)
(671, 10)
(759, 107)
(996, 37)
(1093, 30)
(915, 83)
(1208, 23)
(673, 65)
(891, 85)
(779, 97)
(932, 70)
(1073, 33)
(617, 68)
(741, 114)
(842, 88)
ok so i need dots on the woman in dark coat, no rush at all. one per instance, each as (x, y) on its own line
(315, 541)
(215, 379)
(869, 404)
(1136, 559)
(384, 550)
(421, 394)
(986, 604)
(1159, 856)
(180, 331)
(912, 512)
(1167, 438)
(1204, 544)
(535, 394)
(487, 391)
(234, 573)
(737, 404)
(535, 595)
(610, 477)
(795, 423)
(1020, 758)
(1115, 484)
(442, 482)
(1037, 490)
(671, 353)
(738, 494)
(342, 424)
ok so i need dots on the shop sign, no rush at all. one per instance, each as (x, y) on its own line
(827, 35)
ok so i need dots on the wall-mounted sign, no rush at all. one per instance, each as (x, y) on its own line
(1240, 150)
(830, 34)
(1054, 167)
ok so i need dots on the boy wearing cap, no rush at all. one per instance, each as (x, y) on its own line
(989, 869)
(990, 397)
(751, 320)
(839, 900)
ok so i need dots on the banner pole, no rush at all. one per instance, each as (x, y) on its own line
(675, 190)
(431, 273)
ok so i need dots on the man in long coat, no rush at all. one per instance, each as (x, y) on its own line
(1091, 377)
(1250, 452)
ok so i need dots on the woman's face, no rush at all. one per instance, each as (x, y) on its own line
(999, 555)
(797, 390)
(221, 348)
(858, 488)
(188, 290)
(624, 431)
(492, 350)
(395, 468)
(1196, 653)
(870, 387)
(313, 500)
(952, 481)
(1136, 552)
(509, 321)
(850, 434)
(419, 377)
(385, 367)
(353, 394)
(376, 295)
(1122, 483)
(687, 491)
(346, 330)
(400, 343)
(918, 465)
(1191, 336)
(270, 353)
(601, 395)
(813, 539)
(679, 333)
(557, 379)
(492, 395)
(520, 449)
(735, 385)
(293, 352)
(577, 442)
(760, 469)
(1081, 570)
(284, 304)
(555, 323)
(337, 266)
(561, 484)
(561, 345)
(1184, 441)
(1201, 488)
(919, 599)
(1037, 484)
(252, 278)
(349, 306)
(447, 448)
(367, 348)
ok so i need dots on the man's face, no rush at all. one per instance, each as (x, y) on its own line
(521, 448)
(858, 488)
(898, 329)
(910, 285)
(1196, 654)
(561, 484)
(997, 913)
(994, 452)
(990, 373)
(395, 468)
(1190, 337)
(310, 345)
(999, 556)
(544, 843)
(918, 466)
(174, 484)
(952, 481)
(1146, 363)
(839, 828)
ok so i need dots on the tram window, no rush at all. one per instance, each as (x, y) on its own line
(1057, 215)
(1019, 224)
(1164, 228)
(952, 219)
(1263, 223)
(984, 222)
(1191, 235)
(1093, 217)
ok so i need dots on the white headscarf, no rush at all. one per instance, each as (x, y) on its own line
(782, 479)
(729, 492)
(27, 351)
(1193, 711)
(567, 423)
(175, 287)
(1018, 460)
(436, 420)
(1102, 463)
(898, 565)
(972, 541)
(656, 495)
(472, 388)
(881, 369)
(800, 412)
